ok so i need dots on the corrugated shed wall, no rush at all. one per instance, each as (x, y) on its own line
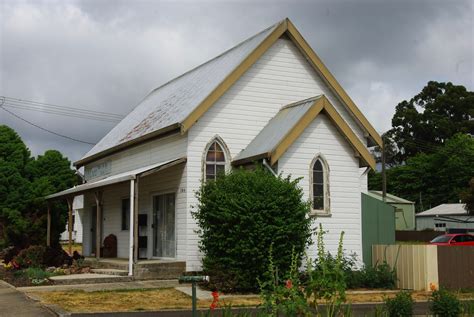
(378, 225)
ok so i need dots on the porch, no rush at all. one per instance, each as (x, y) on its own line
(155, 269)
(131, 221)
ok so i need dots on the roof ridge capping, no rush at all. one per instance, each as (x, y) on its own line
(301, 102)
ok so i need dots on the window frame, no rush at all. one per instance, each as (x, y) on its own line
(216, 139)
(326, 211)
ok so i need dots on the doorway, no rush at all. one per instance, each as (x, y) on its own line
(164, 225)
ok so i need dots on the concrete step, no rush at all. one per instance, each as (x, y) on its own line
(110, 272)
(88, 278)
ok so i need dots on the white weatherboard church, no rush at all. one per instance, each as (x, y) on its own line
(269, 99)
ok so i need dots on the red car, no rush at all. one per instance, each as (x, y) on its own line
(454, 239)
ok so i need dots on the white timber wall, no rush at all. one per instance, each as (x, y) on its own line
(281, 76)
(166, 181)
(321, 137)
(159, 150)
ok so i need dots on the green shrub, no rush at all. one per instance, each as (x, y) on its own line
(326, 277)
(400, 306)
(379, 276)
(445, 304)
(239, 216)
(31, 257)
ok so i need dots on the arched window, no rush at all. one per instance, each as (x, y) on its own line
(319, 185)
(215, 160)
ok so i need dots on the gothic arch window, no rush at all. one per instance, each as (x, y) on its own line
(216, 159)
(319, 185)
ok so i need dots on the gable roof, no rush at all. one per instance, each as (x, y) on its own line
(389, 198)
(288, 124)
(444, 210)
(179, 103)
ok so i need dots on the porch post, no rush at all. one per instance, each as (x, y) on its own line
(132, 227)
(69, 223)
(135, 223)
(48, 227)
(98, 225)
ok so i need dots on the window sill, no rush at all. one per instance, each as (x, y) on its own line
(320, 213)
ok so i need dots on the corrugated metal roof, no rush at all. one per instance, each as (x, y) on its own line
(276, 129)
(114, 179)
(172, 102)
(444, 210)
(390, 198)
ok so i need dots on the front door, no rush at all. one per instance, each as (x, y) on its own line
(164, 240)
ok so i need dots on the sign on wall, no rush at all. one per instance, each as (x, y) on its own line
(101, 169)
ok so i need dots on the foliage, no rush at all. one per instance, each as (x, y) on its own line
(24, 181)
(31, 257)
(427, 120)
(239, 216)
(467, 197)
(432, 179)
(326, 278)
(400, 306)
(286, 298)
(378, 276)
(445, 303)
(42, 256)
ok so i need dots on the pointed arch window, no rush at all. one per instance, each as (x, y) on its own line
(320, 186)
(215, 160)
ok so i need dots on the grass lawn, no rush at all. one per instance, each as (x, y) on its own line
(132, 300)
(161, 299)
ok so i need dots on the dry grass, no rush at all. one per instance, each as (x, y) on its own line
(75, 247)
(162, 299)
(131, 300)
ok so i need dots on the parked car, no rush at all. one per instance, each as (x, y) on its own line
(454, 239)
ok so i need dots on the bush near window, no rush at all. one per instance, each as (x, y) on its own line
(240, 215)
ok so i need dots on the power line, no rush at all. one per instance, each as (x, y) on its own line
(44, 129)
(60, 110)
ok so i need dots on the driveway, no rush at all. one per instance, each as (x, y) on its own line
(15, 303)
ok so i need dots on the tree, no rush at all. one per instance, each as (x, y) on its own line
(242, 214)
(467, 197)
(24, 182)
(427, 120)
(432, 179)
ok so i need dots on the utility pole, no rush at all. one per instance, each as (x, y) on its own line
(384, 175)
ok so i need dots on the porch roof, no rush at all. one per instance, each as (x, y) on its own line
(118, 178)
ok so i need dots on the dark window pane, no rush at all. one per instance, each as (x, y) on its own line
(220, 157)
(318, 190)
(318, 177)
(318, 166)
(126, 214)
(211, 156)
(217, 147)
(210, 169)
(318, 202)
(220, 169)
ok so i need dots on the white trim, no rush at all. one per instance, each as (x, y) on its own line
(326, 192)
(132, 205)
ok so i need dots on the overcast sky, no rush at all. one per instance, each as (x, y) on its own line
(107, 55)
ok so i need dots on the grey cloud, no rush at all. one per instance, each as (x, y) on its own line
(107, 55)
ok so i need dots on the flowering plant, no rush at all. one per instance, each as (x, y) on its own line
(215, 301)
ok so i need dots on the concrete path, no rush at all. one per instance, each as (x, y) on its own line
(15, 303)
(103, 286)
